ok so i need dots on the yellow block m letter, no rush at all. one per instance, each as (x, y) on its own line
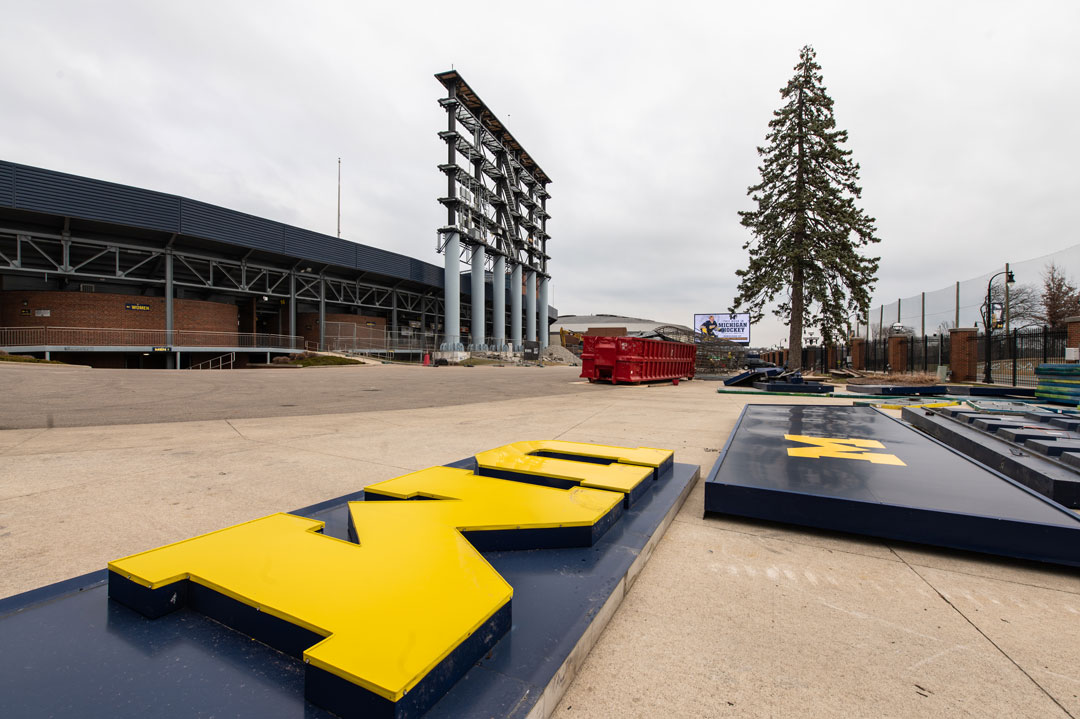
(841, 449)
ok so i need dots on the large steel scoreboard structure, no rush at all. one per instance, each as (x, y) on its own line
(496, 215)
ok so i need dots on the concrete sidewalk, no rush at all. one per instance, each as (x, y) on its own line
(729, 618)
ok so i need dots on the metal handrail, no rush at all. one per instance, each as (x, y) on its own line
(221, 361)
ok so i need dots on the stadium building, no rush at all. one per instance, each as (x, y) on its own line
(98, 273)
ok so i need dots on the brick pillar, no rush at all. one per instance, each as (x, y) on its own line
(963, 353)
(898, 353)
(784, 356)
(830, 357)
(1072, 324)
(858, 353)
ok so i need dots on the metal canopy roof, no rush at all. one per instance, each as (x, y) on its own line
(108, 207)
(490, 121)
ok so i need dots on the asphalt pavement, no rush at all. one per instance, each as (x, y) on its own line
(36, 396)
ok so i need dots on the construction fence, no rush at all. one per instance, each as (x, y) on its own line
(407, 344)
(1013, 356)
(963, 303)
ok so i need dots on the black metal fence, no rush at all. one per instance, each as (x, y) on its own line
(921, 354)
(1015, 355)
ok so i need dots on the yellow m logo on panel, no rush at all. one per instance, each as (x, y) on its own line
(394, 617)
(837, 448)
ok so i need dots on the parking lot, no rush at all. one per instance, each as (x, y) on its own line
(59, 396)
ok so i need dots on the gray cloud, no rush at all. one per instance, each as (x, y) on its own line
(645, 116)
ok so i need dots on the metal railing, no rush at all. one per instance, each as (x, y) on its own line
(114, 337)
(921, 354)
(222, 362)
(1015, 356)
(405, 344)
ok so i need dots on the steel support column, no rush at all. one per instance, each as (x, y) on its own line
(393, 315)
(479, 301)
(452, 292)
(322, 313)
(171, 362)
(515, 308)
(542, 319)
(498, 303)
(292, 306)
(530, 306)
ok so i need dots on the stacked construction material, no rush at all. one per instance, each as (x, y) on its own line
(1058, 383)
(792, 382)
(895, 389)
(752, 375)
(800, 387)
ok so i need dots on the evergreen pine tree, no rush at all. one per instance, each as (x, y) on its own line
(806, 230)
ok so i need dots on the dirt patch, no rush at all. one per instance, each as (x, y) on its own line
(904, 379)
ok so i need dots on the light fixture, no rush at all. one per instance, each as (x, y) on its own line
(988, 324)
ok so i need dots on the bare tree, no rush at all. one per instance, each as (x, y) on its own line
(1060, 298)
(1025, 304)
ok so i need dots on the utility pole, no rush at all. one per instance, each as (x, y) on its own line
(339, 198)
(1006, 312)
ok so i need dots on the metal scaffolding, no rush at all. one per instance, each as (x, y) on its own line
(496, 216)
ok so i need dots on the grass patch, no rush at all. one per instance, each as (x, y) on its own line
(324, 361)
(478, 361)
(25, 358)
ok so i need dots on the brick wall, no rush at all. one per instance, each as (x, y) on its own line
(91, 309)
(898, 353)
(606, 331)
(1072, 324)
(858, 353)
(963, 354)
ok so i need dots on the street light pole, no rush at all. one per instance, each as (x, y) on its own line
(988, 322)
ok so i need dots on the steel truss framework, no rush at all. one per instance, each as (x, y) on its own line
(87, 259)
(499, 200)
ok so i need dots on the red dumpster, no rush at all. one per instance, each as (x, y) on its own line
(634, 360)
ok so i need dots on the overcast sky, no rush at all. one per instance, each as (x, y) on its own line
(645, 115)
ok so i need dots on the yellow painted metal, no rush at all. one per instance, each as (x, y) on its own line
(630, 466)
(837, 448)
(396, 604)
(929, 405)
